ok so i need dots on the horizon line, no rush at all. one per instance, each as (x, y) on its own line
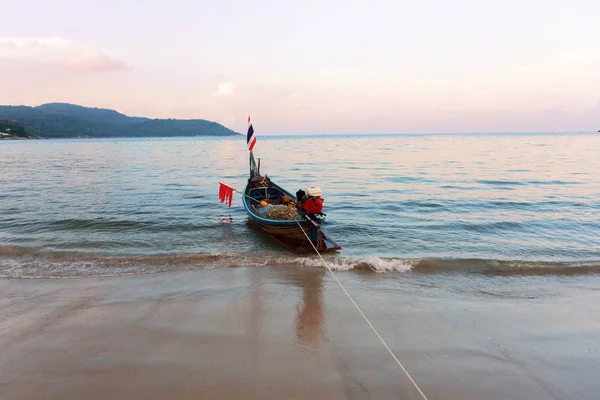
(432, 133)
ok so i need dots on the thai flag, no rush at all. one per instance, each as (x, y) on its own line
(250, 138)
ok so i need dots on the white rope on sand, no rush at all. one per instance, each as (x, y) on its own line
(365, 317)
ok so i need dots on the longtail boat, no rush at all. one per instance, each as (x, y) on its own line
(262, 198)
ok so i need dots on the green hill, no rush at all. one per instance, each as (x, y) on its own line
(61, 120)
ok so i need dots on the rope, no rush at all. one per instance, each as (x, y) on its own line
(365, 317)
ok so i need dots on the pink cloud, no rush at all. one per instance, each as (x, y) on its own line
(22, 44)
(56, 53)
(92, 61)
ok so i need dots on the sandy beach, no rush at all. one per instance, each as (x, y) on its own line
(289, 333)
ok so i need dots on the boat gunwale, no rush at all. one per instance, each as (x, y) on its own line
(268, 221)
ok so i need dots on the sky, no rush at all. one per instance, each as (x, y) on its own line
(307, 67)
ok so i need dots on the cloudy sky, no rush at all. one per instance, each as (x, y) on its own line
(313, 66)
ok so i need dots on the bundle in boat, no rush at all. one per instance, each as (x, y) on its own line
(281, 212)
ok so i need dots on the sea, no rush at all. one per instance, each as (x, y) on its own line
(469, 205)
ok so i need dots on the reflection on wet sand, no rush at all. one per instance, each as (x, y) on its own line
(309, 318)
(256, 314)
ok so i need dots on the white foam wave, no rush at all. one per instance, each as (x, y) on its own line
(94, 266)
(372, 263)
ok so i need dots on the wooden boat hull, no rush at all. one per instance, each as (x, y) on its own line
(294, 234)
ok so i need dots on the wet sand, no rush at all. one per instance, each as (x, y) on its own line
(290, 333)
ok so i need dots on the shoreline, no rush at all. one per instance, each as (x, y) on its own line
(115, 137)
(280, 332)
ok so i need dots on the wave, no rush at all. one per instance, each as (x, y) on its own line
(498, 182)
(23, 262)
(526, 182)
(102, 225)
(507, 267)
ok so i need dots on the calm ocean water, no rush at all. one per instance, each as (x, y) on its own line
(499, 204)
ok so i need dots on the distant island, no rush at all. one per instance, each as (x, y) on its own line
(63, 120)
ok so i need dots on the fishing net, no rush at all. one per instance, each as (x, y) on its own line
(280, 212)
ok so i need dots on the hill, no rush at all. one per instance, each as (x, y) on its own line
(62, 120)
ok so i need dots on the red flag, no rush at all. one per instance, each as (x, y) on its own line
(225, 194)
